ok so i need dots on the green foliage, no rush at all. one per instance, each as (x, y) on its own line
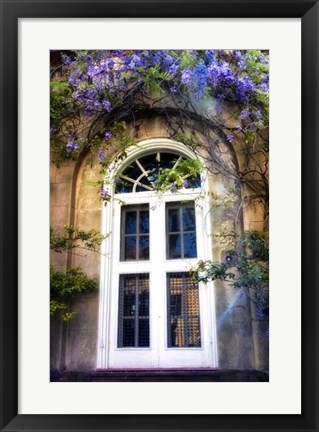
(74, 237)
(186, 58)
(153, 79)
(64, 286)
(182, 169)
(61, 101)
(189, 140)
(248, 260)
(206, 270)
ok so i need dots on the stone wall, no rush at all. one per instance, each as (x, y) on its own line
(241, 341)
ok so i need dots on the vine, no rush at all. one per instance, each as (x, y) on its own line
(216, 97)
(214, 101)
(65, 286)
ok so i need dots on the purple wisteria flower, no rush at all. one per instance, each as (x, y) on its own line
(209, 56)
(230, 138)
(52, 130)
(107, 105)
(66, 59)
(262, 59)
(244, 86)
(110, 63)
(244, 114)
(199, 77)
(104, 194)
(168, 60)
(88, 109)
(264, 87)
(172, 70)
(102, 156)
(173, 187)
(240, 59)
(93, 70)
(158, 56)
(91, 93)
(185, 184)
(73, 80)
(88, 58)
(71, 145)
(223, 75)
(257, 114)
(186, 76)
(226, 74)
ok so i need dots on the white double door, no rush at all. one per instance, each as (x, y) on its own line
(158, 316)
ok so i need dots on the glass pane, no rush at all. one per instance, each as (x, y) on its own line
(175, 249)
(129, 303)
(130, 222)
(124, 187)
(173, 220)
(175, 304)
(151, 164)
(143, 304)
(130, 248)
(143, 333)
(190, 245)
(183, 317)
(188, 219)
(128, 333)
(144, 222)
(144, 249)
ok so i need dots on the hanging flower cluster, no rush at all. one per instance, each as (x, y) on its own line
(99, 82)
(240, 76)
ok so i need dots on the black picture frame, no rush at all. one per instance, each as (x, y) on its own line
(11, 11)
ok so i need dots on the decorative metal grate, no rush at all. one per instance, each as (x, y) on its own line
(133, 319)
(183, 317)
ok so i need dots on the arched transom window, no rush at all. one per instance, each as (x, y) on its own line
(143, 173)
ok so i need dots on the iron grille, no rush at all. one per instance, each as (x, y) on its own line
(182, 311)
(133, 319)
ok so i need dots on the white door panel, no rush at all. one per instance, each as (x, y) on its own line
(181, 350)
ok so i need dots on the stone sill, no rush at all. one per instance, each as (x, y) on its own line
(161, 375)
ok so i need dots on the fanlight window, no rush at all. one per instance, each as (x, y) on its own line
(143, 173)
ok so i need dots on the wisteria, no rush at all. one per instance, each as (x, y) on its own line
(108, 135)
(110, 85)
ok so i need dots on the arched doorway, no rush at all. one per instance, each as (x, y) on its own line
(153, 314)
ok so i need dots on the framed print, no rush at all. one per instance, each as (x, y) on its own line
(179, 141)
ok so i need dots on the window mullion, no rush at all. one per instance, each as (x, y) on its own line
(181, 229)
(137, 251)
(136, 311)
(138, 163)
